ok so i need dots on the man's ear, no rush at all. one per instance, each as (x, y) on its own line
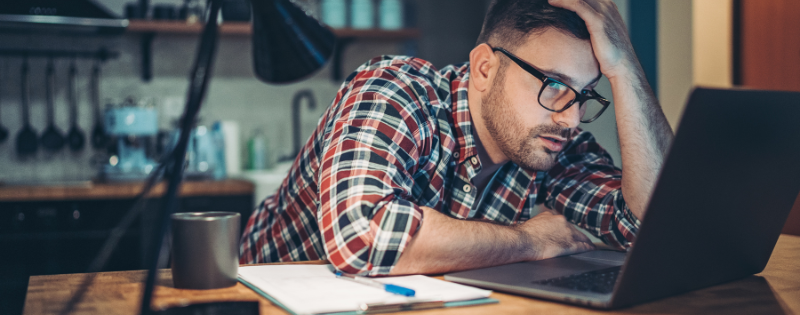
(483, 66)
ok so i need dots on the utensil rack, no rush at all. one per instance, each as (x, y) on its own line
(101, 54)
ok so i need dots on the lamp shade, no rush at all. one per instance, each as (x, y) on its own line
(288, 44)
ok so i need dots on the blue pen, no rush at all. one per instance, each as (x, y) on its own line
(391, 288)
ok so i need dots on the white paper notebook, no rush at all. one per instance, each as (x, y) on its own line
(314, 289)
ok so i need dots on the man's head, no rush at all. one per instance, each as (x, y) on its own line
(510, 120)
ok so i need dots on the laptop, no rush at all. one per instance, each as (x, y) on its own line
(721, 200)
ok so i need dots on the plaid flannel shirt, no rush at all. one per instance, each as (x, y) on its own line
(399, 136)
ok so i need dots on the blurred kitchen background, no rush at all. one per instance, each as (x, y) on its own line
(56, 207)
(234, 94)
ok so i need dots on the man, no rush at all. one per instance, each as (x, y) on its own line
(417, 170)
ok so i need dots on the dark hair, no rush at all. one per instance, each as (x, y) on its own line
(508, 22)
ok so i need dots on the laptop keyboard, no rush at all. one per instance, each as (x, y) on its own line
(599, 281)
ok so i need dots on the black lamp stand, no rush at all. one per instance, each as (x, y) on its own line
(198, 83)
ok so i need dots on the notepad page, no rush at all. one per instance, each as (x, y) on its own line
(314, 289)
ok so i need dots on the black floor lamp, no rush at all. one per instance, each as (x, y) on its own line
(288, 45)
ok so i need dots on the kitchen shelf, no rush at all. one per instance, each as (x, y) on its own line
(244, 28)
(129, 190)
(180, 27)
(62, 235)
(149, 29)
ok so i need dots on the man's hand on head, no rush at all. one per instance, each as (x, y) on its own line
(551, 235)
(609, 35)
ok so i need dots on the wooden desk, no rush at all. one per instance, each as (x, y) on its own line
(774, 291)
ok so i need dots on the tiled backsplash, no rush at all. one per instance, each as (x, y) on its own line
(234, 93)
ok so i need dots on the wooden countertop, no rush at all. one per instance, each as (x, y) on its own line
(776, 290)
(91, 190)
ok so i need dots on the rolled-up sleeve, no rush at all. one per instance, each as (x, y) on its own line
(365, 213)
(587, 188)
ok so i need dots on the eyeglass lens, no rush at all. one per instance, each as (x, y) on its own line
(556, 96)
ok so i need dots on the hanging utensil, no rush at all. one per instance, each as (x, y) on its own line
(52, 139)
(99, 137)
(26, 138)
(75, 137)
(3, 130)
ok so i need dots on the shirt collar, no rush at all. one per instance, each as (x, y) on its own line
(461, 115)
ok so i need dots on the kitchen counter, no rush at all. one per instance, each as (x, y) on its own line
(89, 191)
(59, 227)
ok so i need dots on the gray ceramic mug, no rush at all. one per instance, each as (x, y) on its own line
(205, 249)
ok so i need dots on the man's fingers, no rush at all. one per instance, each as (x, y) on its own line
(586, 11)
(581, 241)
(597, 6)
(580, 238)
(543, 209)
(575, 5)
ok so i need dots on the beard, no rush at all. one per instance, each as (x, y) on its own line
(522, 146)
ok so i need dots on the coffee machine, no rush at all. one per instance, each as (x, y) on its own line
(134, 128)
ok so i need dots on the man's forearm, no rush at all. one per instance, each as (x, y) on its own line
(644, 137)
(445, 244)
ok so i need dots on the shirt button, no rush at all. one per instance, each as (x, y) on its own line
(474, 160)
(456, 155)
(467, 188)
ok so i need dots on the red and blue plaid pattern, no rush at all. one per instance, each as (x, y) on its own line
(399, 136)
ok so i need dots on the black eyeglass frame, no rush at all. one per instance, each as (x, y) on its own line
(580, 97)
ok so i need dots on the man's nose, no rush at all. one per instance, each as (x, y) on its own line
(569, 118)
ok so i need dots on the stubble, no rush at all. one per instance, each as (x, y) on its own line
(522, 146)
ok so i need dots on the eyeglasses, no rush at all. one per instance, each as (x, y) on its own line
(557, 97)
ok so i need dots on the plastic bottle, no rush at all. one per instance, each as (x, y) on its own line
(362, 14)
(218, 139)
(391, 14)
(257, 151)
(334, 13)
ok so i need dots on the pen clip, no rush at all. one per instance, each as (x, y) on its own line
(398, 307)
